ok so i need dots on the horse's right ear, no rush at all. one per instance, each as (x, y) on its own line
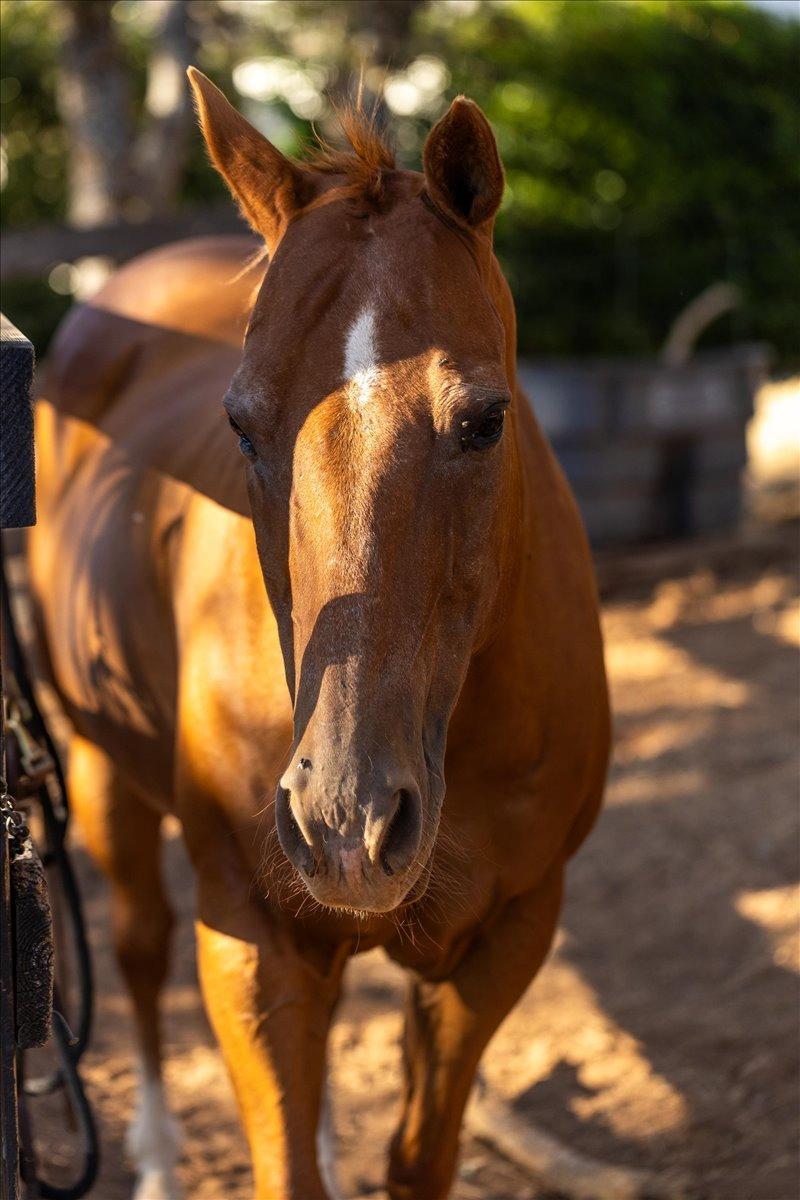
(267, 186)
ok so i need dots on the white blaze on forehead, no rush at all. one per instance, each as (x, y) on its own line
(360, 366)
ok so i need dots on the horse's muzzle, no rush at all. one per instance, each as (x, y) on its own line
(352, 850)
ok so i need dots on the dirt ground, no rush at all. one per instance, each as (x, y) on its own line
(662, 1032)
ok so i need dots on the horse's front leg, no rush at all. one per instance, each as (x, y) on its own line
(270, 1009)
(448, 1025)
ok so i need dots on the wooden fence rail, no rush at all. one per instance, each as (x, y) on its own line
(32, 253)
(652, 449)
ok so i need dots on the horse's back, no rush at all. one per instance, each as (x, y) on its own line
(131, 438)
(188, 300)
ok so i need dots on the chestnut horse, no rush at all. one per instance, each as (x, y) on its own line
(291, 635)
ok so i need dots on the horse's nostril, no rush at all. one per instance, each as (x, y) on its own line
(308, 865)
(291, 836)
(402, 836)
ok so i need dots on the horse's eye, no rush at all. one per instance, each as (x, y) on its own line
(245, 445)
(485, 431)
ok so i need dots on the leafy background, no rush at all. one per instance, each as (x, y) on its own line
(651, 147)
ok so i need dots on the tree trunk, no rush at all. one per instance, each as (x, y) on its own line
(387, 24)
(113, 174)
(93, 96)
(160, 151)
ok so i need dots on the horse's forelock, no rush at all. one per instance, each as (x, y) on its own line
(368, 160)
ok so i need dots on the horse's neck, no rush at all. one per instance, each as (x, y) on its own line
(547, 594)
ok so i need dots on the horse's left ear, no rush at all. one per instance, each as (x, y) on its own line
(268, 186)
(463, 172)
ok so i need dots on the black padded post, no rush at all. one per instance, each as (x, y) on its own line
(17, 480)
(17, 508)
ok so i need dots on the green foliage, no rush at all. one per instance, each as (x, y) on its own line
(33, 141)
(650, 147)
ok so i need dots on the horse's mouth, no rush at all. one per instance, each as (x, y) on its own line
(420, 885)
(375, 899)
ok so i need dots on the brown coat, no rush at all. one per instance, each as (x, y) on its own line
(422, 593)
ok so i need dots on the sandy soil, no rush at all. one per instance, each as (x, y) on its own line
(662, 1032)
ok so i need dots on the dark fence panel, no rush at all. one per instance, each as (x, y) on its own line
(651, 451)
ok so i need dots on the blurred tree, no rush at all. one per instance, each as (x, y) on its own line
(111, 172)
(386, 27)
(159, 153)
(651, 148)
(93, 97)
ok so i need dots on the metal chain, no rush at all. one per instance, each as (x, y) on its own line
(16, 825)
(34, 759)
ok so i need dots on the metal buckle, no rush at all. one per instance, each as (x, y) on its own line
(35, 760)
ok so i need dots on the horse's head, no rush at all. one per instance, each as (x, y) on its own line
(370, 406)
